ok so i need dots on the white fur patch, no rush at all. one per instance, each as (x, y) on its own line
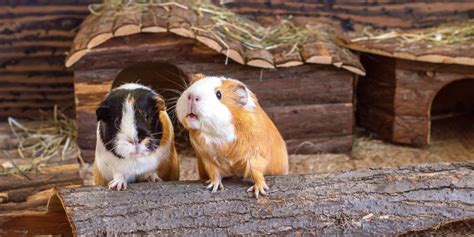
(251, 103)
(133, 86)
(214, 118)
(111, 166)
(127, 132)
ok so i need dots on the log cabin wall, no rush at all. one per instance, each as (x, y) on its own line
(310, 104)
(395, 98)
(34, 37)
(352, 14)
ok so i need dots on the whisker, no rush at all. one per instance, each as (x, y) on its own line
(169, 80)
(171, 90)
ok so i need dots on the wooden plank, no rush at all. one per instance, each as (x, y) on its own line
(312, 120)
(282, 88)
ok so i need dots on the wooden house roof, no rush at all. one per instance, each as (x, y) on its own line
(449, 44)
(180, 18)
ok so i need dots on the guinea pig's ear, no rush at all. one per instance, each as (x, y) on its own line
(196, 78)
(103, 113)
(160, 103)
(242, 94)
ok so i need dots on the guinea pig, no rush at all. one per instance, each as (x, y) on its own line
(135, 138)
(230, 133)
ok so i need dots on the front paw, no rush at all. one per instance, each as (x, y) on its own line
(118, 183)
(214, 185)
(149, 177)
(258, 189)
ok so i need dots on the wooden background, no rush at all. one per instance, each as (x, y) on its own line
(36, 34)
(34, 37)
(351, 14)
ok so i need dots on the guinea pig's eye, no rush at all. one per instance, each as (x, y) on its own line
(146, 116)
(218, 94)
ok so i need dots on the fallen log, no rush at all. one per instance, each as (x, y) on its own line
(364, 202)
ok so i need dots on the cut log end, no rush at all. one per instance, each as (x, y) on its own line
(74, 57)
(127, 30)
(355, 70)
(290, 64)
(210, 43)
(319, 59)
(260, 63)
(99, 39)
(183, 32)
(154, 29)
(234, 55)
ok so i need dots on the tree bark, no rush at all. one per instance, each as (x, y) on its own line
(362, 202)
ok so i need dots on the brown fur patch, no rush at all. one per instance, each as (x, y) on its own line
(160, 103)
(196, 78)
(168, 169)
(98, 178)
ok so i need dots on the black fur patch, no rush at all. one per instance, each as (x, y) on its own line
(147, 122)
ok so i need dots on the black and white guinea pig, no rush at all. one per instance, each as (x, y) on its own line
(135, 138)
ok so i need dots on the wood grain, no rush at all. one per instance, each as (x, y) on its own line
(359, 202)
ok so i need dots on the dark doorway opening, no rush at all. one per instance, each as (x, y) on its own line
(452, 120)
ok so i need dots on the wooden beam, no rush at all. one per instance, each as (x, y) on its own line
(359, 202)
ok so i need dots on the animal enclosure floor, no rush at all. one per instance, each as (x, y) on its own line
(452, 140)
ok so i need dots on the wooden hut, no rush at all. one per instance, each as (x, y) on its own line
(307, 90)
(395, 99)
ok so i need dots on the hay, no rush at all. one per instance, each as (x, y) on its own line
(123, 6)
(227, 24)
(55, 137)
(442, 35)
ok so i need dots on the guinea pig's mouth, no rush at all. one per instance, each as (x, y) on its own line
(192, 116)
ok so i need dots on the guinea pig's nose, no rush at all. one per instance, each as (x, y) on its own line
(194, 98)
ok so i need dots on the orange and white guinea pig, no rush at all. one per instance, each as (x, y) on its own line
(135, 138)
(230, 133)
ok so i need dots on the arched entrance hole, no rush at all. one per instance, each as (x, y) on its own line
(166, 79)
(452, 120)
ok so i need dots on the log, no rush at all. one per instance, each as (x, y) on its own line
(368, 202)
(310, 121)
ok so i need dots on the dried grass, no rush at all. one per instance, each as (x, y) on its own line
(227, 24)
(55, 137)
(442, 35)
